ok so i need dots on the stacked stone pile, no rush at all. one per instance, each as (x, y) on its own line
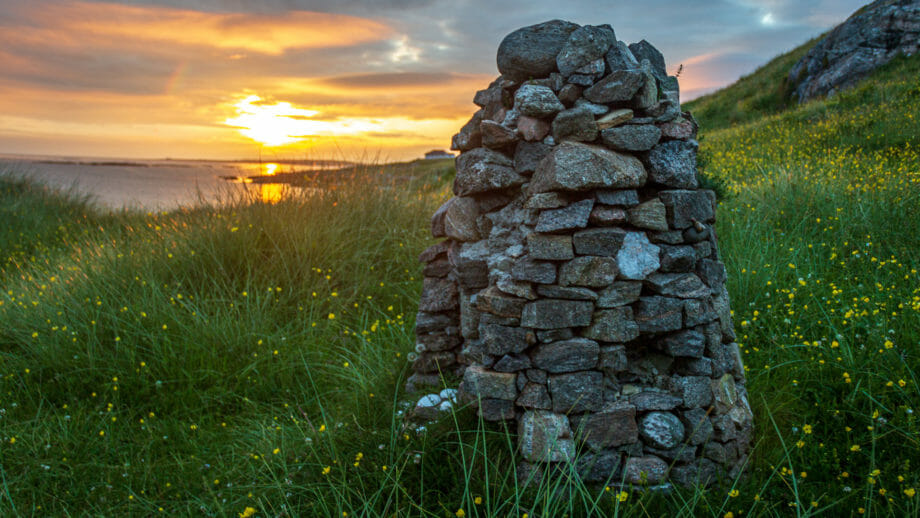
(578, 289)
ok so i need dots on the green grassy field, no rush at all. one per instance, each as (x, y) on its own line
(246, 359)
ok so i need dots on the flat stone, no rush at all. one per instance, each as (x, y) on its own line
(545, 437)
(620, 293)
(585, 46)
(575, 124)
(613, 325)
(494, 302)
(611, 426)
(460, 219)
(603, 215)
(632, 137)
(437, 341)
(567, 218)
(654, 400)
(432, 362)
(596, 109)
(618, 86)
(434, 251)
(687, 343)
(681, 285)
(677, 258)
(532, 129)
(548, 246)
(556, 313)
(576, 392)
(661, 430)
(534, 396)
(612, 359)
(481, 383)
(589, 270)
(566, 292)
(499, 339)
(531, 51)
(613, 119)
(574, 166)
(571, 355)
(598, 241)
(599, 466)
(624, 197)
(684, 207)
(537, 101)
(546, 200)
(512, 363)
(673, 163)
(695, 390)
(432, 322)
(528, 154)
(638, 257)
(659, 314)
(496, 409)
(647, 469)
(438, 295)
(619, 57)
(652, 215)
(483, 170)
(527, 269)
(497, 136)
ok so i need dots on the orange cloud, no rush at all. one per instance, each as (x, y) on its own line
(261, 33)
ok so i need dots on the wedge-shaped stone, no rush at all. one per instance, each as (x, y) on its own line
(613, 325)
(483, 170)
(681, 285)
(460, 219)
(556, 314)
(573, 166)
(620, 85)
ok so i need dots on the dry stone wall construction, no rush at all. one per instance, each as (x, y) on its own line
(578, 288)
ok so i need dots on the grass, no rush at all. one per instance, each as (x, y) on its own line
(246, 359)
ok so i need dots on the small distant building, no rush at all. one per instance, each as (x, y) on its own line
(436, 154)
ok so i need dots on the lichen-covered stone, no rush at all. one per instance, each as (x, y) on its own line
(573, 166)
(571, 355)
(545, 437)
(619, 86)
(611, 426)
(661, 429)
(556, 313)
(531, 51)
(613, 325)
(680, 285)
(576, 392)
(573, 216)
(575, 124)
(483, 170)
(460, 219)
(438, 295)
(632, 137)
(637, 257)
(591, 271)
(550, 247)
(537, 101)
(585, 45)
(686, 207)
(598, 241)
(673, 164)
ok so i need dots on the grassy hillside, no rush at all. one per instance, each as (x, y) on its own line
(246, 359)
(763, 92)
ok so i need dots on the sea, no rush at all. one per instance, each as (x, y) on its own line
(153, 185)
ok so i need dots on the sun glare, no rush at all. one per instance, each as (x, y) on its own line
(271, 124)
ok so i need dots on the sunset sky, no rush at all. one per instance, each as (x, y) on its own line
(324, 79)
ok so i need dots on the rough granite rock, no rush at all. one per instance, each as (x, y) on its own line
(872, 37)
(531, 51)
(537, 101)
(483, 170)
(585, 45)
(573, 166)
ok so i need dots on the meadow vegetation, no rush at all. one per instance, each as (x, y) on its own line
(246, 359)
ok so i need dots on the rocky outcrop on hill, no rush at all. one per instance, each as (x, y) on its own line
(873, 36)
(578, 289)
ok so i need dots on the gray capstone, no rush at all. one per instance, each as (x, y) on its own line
(531, 51)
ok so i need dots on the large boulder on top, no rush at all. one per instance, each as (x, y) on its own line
(530, 52)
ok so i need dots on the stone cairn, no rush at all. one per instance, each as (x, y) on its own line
(579, 289)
